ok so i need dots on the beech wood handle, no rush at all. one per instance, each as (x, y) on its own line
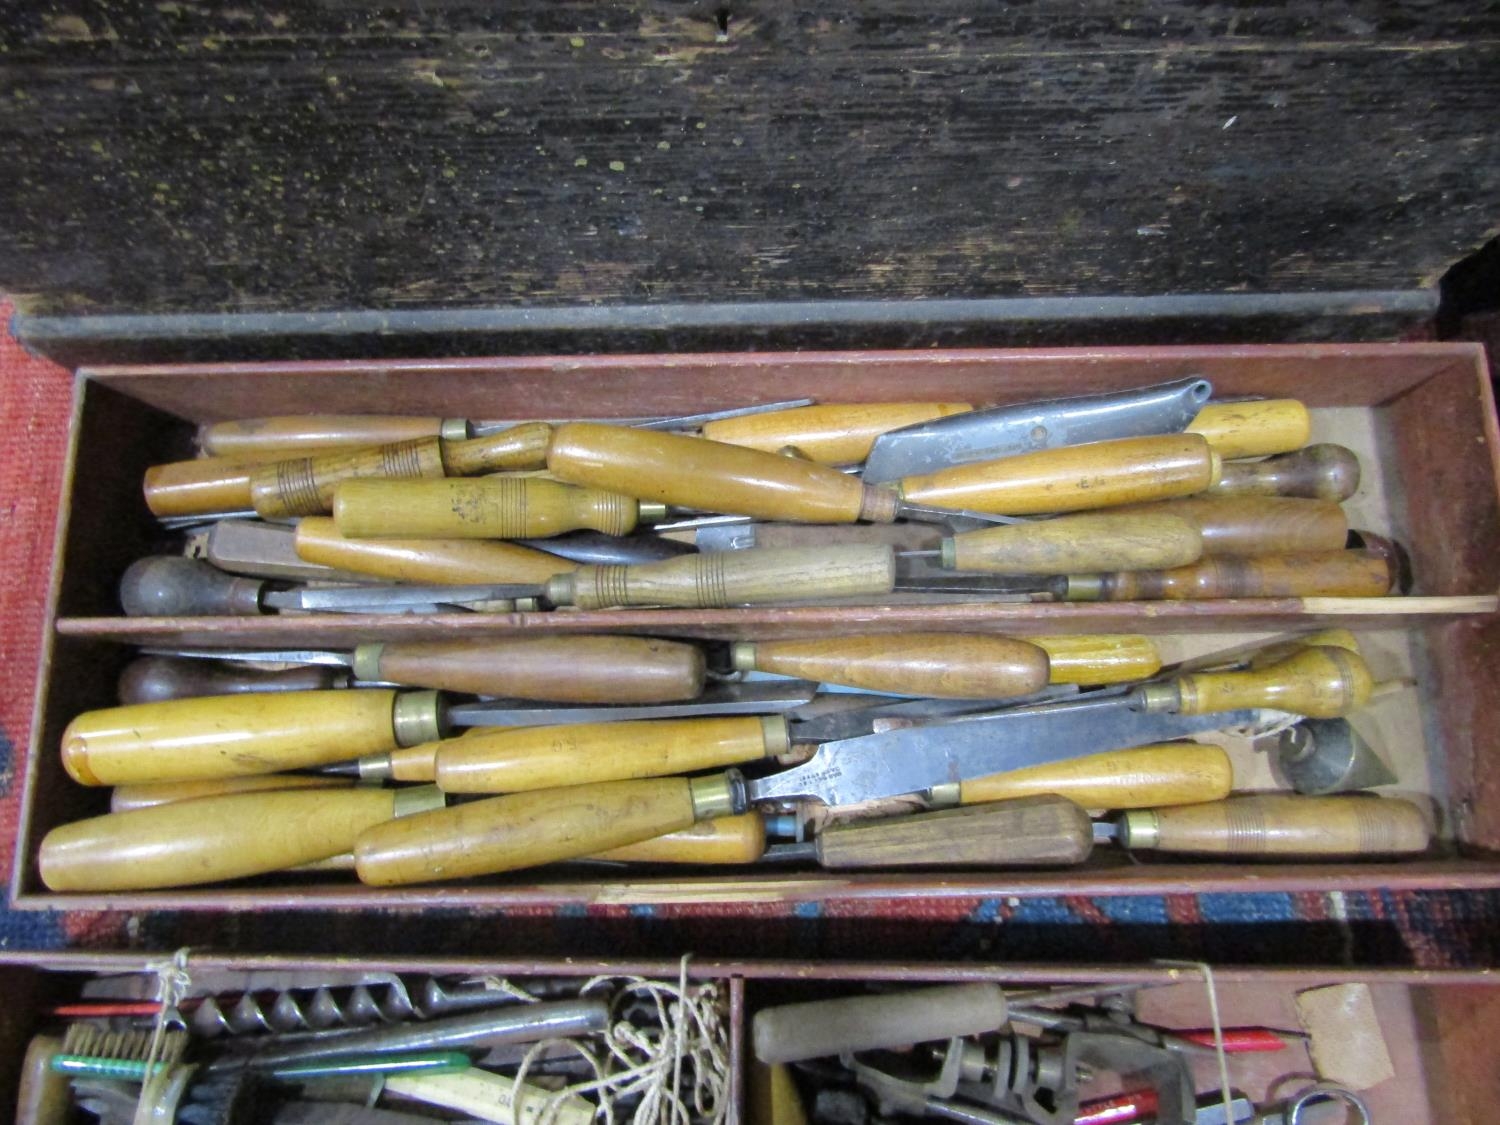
(724, 839)
(1281, 825)
(511, 760)
(521, 448)
(1254, 429)
(226, 736)
(1329, 638)
(1167, 773)
(155, 679)
(726, 578)
(486, 508)
(1073, 478)
(944, 665)
(1328, 574)
(174, 586)
(1028, 831)
(1257, 525)
(834, 433)
(1109, 658)
(569, 669)
(123, 798)
(694, 472)
(1086, 543)
(209, 839)
(522, 830)
(426, 561)
(304, 486)
(290, 435)
(1319, 472)
(199, 487)
(1321, 682)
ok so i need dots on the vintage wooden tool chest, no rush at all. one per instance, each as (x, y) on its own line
(1420, 416)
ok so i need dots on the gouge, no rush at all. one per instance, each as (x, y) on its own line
(1278, 824)
(1257, 525)
(1318, 472)
(437, 562)
(525, 829)
(1328, 574)
(487, 508)
(256, 549)
(291, 434)
(610, 550)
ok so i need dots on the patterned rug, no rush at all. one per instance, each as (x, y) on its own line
(1429, 929)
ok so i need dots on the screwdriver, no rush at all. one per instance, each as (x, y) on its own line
(524, 829)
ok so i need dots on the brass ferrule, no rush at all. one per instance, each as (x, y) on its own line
(454, 429)
(1138, 828)
(742, 656)
(879, 504)
(722, 794)
(417, 718)
(777, 737)
(1215, 467)
(649, 511)
(418, 799)
(366, 665)
(1155, 698)
(1084, 587)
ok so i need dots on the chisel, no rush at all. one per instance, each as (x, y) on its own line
(521, 830)
(1256, 525)
(428, 561)
(239, 735)
(1318, 472)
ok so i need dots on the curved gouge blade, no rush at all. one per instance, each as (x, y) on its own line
(259, 656)
(984, 435)
(757, 699)
(597, 549)
(896, 762)
(377, 599)
(961, 519)
(677, 422)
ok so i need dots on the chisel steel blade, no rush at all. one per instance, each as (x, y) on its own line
(748, 699)
(897, 762)
(376, 598)
(984, 435)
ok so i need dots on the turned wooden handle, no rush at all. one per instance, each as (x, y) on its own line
(1073, 478)
(563, 669)
(515, 760)
(226, 736)
(1257, 525)
(174, 586)
(155, 679)
(1322, 682)
(1086, 543)
(522, 830)
(724, 839)
(425, 561)
(486, 508)
(1328, 574)
(1029, 831)
(944, 665)
(1108, 658)
(290, 435)
(694, 472)
(198, 487)
(304, 486)
(521, 448)
(123, 798)
(834, 433)
(1167, 773)
(725, 578)
(1254, 429)
(209, 839)
(1283, 824)
(1328, 638)
(1319, 472)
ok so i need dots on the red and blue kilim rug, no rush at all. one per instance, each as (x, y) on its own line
(1430, 930)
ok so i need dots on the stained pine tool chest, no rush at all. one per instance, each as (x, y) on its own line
(1420, 417)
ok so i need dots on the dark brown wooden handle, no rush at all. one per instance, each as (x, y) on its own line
(1319, 472)
(173, 586)
(1258, 525)
(1025, 832)
(1327, 574)
(152, 679)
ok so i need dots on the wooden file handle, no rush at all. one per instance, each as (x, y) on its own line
(290, 435)
(1087, 543)
(725, 578)
(487, 508)
(944, 665)
(198, 487)
(512, 761)
(1254, 429)
(1282, 824)
(1073, 478)
(693, 472)
(528, 829)
(1319, 472)
(834, 433)
(1167, 773)
(123, 798)
(155, 679)
(1028, 831)
(1241, 526)
(1321, 682)
(569, 669)
(1325, 574)
(1109, 658)
(209, 839)
(425, 561)
(724, 839)
(174, 586)
(227, 736)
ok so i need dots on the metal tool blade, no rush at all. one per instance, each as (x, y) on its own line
(259, 656)
(597, 549)
(984, 435)
(749, 699)
(960, 519)
(855, 721)
(487, 427)
(398, 598)
(262, 550)
(897, 762)
(1321, 756)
